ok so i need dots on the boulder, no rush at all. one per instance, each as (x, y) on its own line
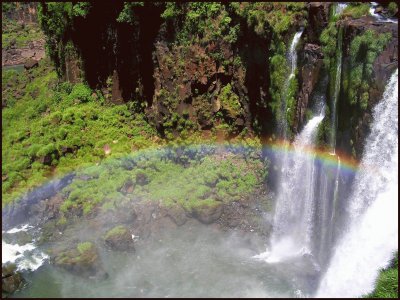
(208, 214)
(177, 214)
(11, 280)
(82, 260)
(30, 63)
(119, 238)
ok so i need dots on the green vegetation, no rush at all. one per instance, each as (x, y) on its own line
(392, 8)
(273, 17)
(116, 231)
(20, 35)
(387, 285)
(84, 247)
(356, 10)
(230, 101)
(363, 51)
(58, 127)
(188, 177)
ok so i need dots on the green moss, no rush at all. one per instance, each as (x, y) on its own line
(84, 247)
(116, 231)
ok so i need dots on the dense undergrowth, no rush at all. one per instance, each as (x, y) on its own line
(58, 127)
(387, 285)
(19, 35)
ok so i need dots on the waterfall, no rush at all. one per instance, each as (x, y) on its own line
(292, 59)
(372, 231)
(336, 87)
(293, 53)
(294, 211)
(340, 8)
(379, 17)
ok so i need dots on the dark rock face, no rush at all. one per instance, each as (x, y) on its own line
(11, 279)
(354, 123)
(119, 238)
(24, 12)
(311, 63)
(318, 20)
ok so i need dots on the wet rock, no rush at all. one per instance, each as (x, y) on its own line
(83, 260)
(119, 238)
(11, 279)
(20, 238)
(127, 187)
(142, 179)
(177, 214)
(310, 66)
(208, 214)
(30, 63)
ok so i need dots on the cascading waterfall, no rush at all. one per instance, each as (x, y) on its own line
(336, 87)
(293, 220)
(372, 234)
(292, 59)
(378, 17)
(340, 8)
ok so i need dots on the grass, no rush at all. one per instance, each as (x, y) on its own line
(387, 285)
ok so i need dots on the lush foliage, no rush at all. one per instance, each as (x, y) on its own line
(275, 17)
(59, 126)
(188, 177)
(387, 285)
(202, 21)
(363, 51)
(356, 10)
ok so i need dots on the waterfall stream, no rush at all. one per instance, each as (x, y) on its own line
(293, 220)
(292, 60)
(372, 234)
(336, 88)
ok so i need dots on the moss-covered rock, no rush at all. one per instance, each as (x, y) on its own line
(11, 279)
(119, 238)
(208, 213)
(82, 260)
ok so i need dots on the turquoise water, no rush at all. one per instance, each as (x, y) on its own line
(18, 68)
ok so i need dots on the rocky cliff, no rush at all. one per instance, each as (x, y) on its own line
(210, 67)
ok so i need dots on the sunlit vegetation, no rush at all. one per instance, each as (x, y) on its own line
(364, 49)
(387, 285)
(356, 10)
(188, 177)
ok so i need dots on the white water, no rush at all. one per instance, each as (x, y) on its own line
(340, 8)
(372, 234)
(337, 88)
(292, 60)
(379, 17)
(293, 53)
(26, 257)
(293, 224)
